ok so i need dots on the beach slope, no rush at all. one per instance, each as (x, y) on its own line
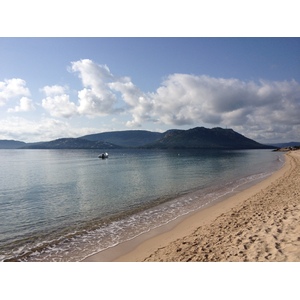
(258, 224)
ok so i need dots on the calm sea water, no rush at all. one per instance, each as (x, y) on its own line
(64, 205)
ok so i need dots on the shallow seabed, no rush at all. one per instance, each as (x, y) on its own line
(64, 205)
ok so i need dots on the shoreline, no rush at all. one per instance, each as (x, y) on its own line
(171, 242)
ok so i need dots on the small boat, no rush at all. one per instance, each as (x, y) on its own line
(103, 155)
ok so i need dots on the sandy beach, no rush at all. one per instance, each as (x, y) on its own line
(258, 224)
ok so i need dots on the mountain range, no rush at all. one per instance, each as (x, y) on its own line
(195, 138)
(11, 144)
(284, 145)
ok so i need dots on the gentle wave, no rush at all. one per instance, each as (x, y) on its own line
(83, 228)
(77, 246)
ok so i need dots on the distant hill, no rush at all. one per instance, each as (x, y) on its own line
(72, 143)
(195, 138)
(11, 144)
(284, 145)
(127, 138)
(198, 137)
(204, 138)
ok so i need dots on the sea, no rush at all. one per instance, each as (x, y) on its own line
(65, 205)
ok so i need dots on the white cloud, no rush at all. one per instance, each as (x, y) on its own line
(57, 102)
(44, 129)
(59, 106)
(259, 110)
(138, 104)
(96, 98)
(93, 75)
(54, 90)
(25, 105)
(184, 99)
(11, 89)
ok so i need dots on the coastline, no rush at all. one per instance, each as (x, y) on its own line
(256, 224)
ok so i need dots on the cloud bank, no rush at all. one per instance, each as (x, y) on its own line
(43, 129)
(259, 109)
(12, 89)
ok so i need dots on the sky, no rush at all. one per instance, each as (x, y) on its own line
(68, 86)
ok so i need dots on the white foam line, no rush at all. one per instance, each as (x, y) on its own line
(252, 177)
(93, 234)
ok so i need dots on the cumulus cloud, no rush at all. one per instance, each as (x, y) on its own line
(259, 109)
(185, 99)
(59, 106)
(25, 105)
(57, 102)
(188, 100)
(54, 90)
(11, 89)
(138, 104)
(96, 98)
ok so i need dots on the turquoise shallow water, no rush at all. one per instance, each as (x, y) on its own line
(64, 205)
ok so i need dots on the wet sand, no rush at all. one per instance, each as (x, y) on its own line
(260, 223)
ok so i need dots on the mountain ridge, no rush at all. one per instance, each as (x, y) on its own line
(11, 144)
(289, 144)
(204, 138)
(125, 138)
(72, 143)
(194, 138)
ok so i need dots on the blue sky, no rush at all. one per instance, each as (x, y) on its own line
(69, 87)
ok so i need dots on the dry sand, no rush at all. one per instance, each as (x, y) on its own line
(257, 224)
